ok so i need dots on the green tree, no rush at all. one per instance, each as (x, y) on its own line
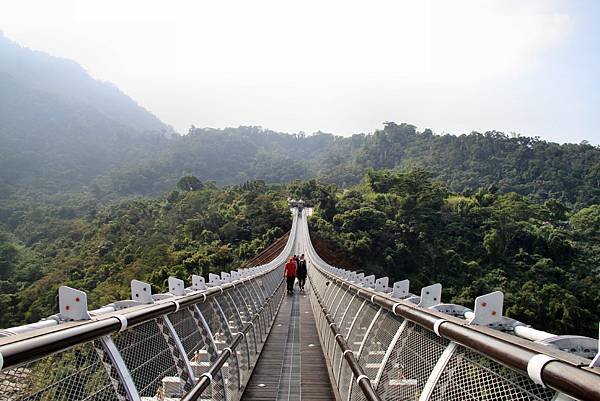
(189, 183)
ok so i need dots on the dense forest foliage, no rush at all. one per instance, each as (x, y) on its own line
(151, 164)
(78, 241)
(544, 257)
(527, 166)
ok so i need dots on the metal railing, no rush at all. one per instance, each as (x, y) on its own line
(199, 343)
(410, 352)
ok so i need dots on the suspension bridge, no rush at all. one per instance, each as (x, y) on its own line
(238, 336)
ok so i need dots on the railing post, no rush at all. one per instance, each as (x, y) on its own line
(362, 345)
(439, 367)
(182, 363)
(209, 340)
(116, 368)
(227, 328)
(388, 352)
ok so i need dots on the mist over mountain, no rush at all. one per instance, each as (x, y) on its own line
(61, 130)
(59, 127)
(67, 80)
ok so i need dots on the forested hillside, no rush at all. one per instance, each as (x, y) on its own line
(80, 242)
(544, 257)
(60, 128)
(527, 166)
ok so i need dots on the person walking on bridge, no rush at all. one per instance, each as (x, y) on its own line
(301, 273)
(290, 275)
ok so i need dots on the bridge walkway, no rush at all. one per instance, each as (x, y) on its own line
(291, 366)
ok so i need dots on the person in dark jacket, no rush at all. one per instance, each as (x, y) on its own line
(290, 275)
(302, 272)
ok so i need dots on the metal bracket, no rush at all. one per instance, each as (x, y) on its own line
(141, 292)
(369, 281)
(436, 326)
(176, 286)
(400, 289)
(488, 309)
(123, 321)
(198, 282)
(214, 279)
(431, 295)
(72, 304)
(382, 284)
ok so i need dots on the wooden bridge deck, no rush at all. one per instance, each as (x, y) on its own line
(291, 366)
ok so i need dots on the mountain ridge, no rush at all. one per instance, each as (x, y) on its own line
(60, 130)
(46, 73)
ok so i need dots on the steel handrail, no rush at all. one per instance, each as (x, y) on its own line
(205, 379)
(362, 380)
(572, 379)
(27, 347)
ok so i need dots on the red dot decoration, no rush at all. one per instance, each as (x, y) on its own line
(484, 304)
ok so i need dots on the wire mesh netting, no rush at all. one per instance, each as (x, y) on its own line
(410, 363)
(355, 339)
(194, 341)
(334, 300)
(381, 335)
(350, 317)
(151, 357)
(147, 355)
(73, 375)
(471, 376)
(262, 319)
(218, 326)
(355, 319)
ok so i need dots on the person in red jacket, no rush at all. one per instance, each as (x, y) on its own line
(290, 274)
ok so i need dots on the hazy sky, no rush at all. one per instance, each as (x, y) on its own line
(532, 67)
